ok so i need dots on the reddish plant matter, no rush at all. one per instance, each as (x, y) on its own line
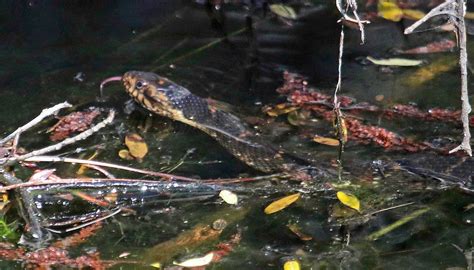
(299, 94)
(56, 255)
(73, 122)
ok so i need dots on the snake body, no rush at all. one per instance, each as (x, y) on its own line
(166, 98)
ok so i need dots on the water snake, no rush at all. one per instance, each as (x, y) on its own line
(166, 98)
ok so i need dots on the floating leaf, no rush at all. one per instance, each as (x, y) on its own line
(156, 265)
(389, 10)
(469, 16)
(413, 14)
(136, 145)
(284, 11)
(349, 200)
(400, 62)
(299, 118)
(196, 262)
(82, 169)
(326, 141)
(291, 265)
(124, 154)
(279, 109)
(228, 197)
(281, 204)
(297, 230)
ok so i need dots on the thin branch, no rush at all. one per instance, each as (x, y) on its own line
(352, 4)
(456, 10)
(60, 145)
(166, 176)
(109, 165)
(446, 8)
(44, 113)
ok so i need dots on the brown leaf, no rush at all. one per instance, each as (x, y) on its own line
(326, 141)
(136, 145)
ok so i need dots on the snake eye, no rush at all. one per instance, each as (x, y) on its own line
(139, 85)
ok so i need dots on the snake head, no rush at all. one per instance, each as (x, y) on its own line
(153, 92)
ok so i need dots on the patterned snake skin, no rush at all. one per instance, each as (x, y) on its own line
(164, 97)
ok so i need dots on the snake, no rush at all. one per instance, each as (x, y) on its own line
(163, 97)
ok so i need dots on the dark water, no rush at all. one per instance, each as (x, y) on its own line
(46, 44)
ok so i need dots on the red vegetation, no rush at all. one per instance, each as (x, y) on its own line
(299, 94)
(73, 122)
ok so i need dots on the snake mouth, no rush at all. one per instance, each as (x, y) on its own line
(106, 81)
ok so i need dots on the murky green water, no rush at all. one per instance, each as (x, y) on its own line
(46, 45)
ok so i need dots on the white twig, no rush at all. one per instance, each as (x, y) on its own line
(44, 113)
(352, 4)
(58, 146)
(456, 10)
(446, 8)
(108, 165)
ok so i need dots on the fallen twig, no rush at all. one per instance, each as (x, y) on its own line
(44, 113)
(58, 146)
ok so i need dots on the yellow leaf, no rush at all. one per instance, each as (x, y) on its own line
(469, 16)
(281, 204)
(124, 154)
(389, 10)
(136, 145)
(349, 200)
(344, 130)
(413, 14)
(83, 168)
(196, 262)
(279, 109)
(291, 265)
(400, 62)
(156, 265)
(286, 12)
(228, 197)
(326, 141)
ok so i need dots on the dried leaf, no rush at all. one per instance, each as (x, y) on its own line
(389, 10)
(196, 262)
(469, 16)
(326, 141)
(413, 14)
(299, 118)
(156, 265)
(283, 11)
(82, 169)
(124, 154)
(400, 62)
(281, 204)
(136, 145)
(349, 200)
(297, 230)
(279, 109)
(229, 197)
(291, 265)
